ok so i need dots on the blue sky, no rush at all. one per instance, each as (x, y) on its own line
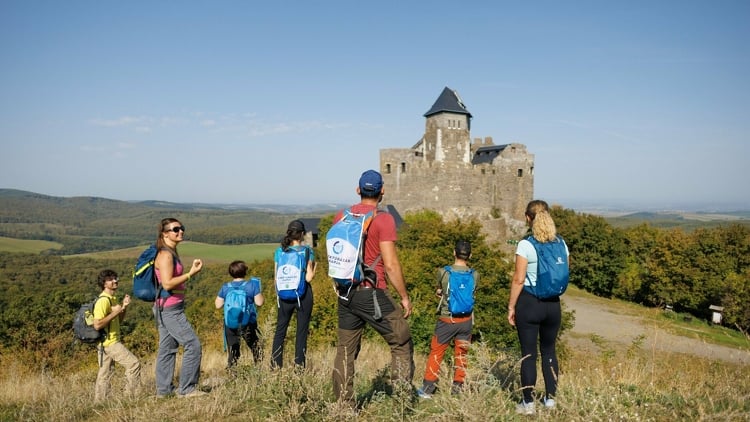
(638, 103)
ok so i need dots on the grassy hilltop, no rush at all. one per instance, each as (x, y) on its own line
(52, 248)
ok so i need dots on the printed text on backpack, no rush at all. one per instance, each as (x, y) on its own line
(552, 272)
(344, 244)
(291, 271)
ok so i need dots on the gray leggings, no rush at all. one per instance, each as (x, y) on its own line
(175, 331)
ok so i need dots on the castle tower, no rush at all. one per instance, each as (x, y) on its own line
(447, 127)
(445, 171)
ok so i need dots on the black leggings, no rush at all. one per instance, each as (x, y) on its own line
(538, 320)
(285, 311)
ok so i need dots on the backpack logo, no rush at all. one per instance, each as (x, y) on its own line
(344, 245)
(238, 311)
(460, 292)
(552, 274)
(83, 324)
(291, 269)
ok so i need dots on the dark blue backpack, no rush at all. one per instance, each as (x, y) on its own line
(145, 285)
(552, 272)
(290, 273)
(460, 292)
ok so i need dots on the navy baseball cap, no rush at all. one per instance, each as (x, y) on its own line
(371, 181)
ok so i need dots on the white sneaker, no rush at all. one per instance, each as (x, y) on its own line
(423, 395)
(524, 408)
(549, 403)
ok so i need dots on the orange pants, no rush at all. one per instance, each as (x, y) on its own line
(445, 331)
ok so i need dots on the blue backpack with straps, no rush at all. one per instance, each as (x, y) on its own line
(291, 271)
(145, 285)
(239, 309)
(460, 292)
(345, 247)
(552, 270)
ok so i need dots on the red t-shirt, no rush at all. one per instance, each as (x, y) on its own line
(382, 229)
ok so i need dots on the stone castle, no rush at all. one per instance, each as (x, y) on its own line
(448, 172)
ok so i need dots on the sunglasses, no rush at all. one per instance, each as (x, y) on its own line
(177, 229)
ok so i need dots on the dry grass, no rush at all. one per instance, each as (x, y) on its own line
(612, 384)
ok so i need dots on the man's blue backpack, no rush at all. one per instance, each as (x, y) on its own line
(345, 246)
(239, 309)
(552, 272)
(290, 273)
(460, 292)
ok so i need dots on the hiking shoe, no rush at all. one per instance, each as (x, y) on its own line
(423, 395)
(456, 388)
(195, 393)
(525, 408)
(549, 403)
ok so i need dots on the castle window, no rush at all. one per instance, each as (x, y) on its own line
(459, 124)
(403, 167)
(520, 172)
(388, 168)
(483, 171)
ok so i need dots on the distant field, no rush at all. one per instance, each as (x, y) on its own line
(188, 250)
(8, 244)
(684, 220)
(208, 253)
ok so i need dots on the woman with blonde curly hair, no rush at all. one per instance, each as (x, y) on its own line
(536, 319)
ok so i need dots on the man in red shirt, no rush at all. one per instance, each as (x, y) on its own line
(357, 306)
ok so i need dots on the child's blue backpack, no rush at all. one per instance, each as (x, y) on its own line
(291, 270)
(460, 292)
(344, 244)
(239, 309)
(552, 272)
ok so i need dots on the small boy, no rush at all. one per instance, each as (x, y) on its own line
(448, 327)
(249, 332)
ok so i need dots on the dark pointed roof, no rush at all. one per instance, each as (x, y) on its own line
(487, 154)
(448, 101)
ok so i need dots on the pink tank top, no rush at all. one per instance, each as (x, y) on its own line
(178, 293)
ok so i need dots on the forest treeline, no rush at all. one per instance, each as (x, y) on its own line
(648, 265)
(91, 224)
(689, 271)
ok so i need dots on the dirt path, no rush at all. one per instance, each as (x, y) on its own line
(592, 317)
